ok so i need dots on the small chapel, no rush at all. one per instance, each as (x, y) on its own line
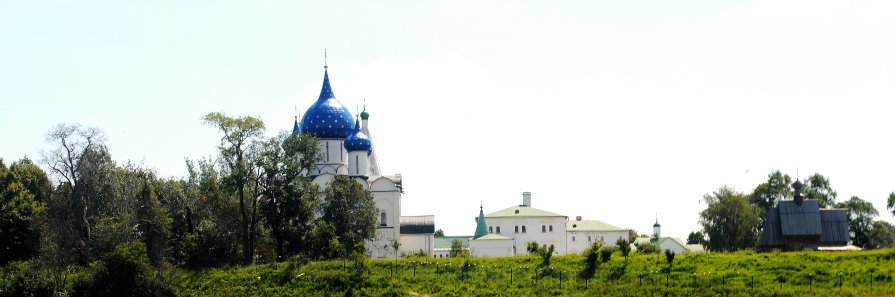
(347, 149)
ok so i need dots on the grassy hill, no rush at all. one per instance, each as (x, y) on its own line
(866, 273)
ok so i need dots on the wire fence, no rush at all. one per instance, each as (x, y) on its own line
(619, 281)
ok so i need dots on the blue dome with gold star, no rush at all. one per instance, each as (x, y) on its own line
(327, 118)
(358, 141)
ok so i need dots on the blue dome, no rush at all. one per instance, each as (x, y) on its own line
(327, 118)
(358, 141)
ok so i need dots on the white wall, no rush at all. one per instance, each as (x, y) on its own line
(673, 246)
(412, 243)
(578, 241)
(491, 248)
(533, 231)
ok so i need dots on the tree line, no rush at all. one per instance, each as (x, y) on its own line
(251, 202)
(732, 220)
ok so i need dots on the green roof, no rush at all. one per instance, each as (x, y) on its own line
(493, 236)
(444, 242)
(481, 228)
(591, 225)
(522, 211)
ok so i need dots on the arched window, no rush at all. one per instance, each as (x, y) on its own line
(382, 219)
(523, 228)
(490, 229)
(573, 238)
(543, 228)
(517, 229)
(551, 228)
(498, 229)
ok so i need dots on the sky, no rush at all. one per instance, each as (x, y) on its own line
(620, 111)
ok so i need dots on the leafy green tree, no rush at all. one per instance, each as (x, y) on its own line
(591, 260)
(818, 187)
(456, 247)
(624, 247)
(238, 180)
(730, 222)
(289, 196)
(860, 219)
(439, 233)
(696, 237)
(766, 194)
(882, 235)
(351, 211)
(532, 247)
(24, 191)
(153, 222)
(890, 204)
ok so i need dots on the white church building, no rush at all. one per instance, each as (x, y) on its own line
(347, 149)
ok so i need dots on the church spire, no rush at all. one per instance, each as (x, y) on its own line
(481, 228)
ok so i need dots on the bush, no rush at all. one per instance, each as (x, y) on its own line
(649, 248)
(25, 278)
(123, 272)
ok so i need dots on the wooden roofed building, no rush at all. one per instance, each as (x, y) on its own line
(800, 224)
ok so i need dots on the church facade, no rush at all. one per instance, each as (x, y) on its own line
(347, 149)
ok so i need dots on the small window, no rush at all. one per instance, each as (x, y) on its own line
(490, 229)
(382, 219)
(573, 238)
(551, 228)
(517, 211)
(517, 229)
(498, 229)
(588, 238)
(523, 228)
(543, 228)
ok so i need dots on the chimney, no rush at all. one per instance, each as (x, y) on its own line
(526, 199)
(578, 218)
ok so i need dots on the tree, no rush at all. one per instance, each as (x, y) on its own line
(456, 247)
(77, 163)
(153, 222)
(24, 191)
(669, 257)
(696, 237)
(766, 195)
(890, 205)
(624, 247)
(860, 219)
(235, 155)
(818, 187)
(882, 235)
(351, 211)
(591, 260)
(730, 221)
(289, 196)
(439, 233)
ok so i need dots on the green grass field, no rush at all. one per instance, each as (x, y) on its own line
(865, 273)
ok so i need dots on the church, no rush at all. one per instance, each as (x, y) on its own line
(347, 149)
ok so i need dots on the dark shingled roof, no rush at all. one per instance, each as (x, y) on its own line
(799, 220)
(417, 224)
(806, 220)
(770, 232)
(835, 227)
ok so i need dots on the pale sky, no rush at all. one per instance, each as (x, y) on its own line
(612, 110)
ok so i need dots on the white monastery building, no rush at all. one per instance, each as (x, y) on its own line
(348, 150)
(507, 232)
